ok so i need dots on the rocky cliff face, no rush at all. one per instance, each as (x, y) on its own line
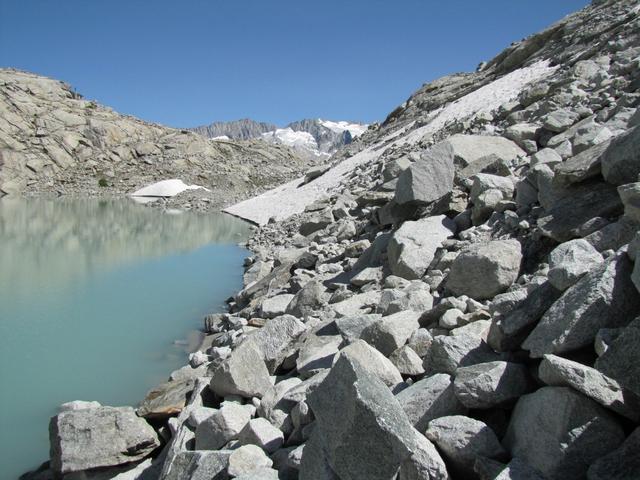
(53, 140)
(456, 299)
(245, 129)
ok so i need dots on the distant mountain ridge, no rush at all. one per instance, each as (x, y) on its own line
(309, 137)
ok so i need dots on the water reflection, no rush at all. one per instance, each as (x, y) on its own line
(40, 235)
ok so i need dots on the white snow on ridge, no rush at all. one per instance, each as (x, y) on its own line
(298, 140)
(339, 127)
(165, 188)
(221, 137)
(291, 198)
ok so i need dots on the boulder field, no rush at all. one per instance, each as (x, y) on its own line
(458, 298)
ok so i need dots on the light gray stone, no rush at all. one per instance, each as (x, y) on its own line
(606, 391)
(559, 120)
(603, 298)
(373, 361)
(407, 361)
(275, 408)
(275, 340)
(415, 297)
(581, 167)
(570, 261)
(391, 332)
(519, 470)
(310, 298)
(199, 465)
(260, 432)
(491, 384)
(482, 271)
(99, 437)
(368, 275)
(275, 306)
(222, 427)
(430, 398)
(413, 246)
(424, 463)
(621, 361)
(373, 437)
(560, 432)
(246, 459)
(462, 440)
(351, 327)
(242, 373)
(630, 196)
(316, 353)
(483, 182)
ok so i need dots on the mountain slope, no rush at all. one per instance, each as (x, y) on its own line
(53, 140)
(245, 129)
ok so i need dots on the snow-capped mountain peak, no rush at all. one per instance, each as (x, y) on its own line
(355, 129)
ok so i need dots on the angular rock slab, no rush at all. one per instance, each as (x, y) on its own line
(462, 440)
(430, 398)
(221, 427)
(570, 261)
(424, 463)
(392, 332)
(99, 437)
(413, 246)
(166, 399)
(603, 298)
(372, 360)
(621, 361)
(246, 459)
(621, 163)
(490, 384)
(606, 391)
(561, 432)
(373, 436)
(199, 465)
(482, 271)
(244, 373)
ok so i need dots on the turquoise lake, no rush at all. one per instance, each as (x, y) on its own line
(100, 300)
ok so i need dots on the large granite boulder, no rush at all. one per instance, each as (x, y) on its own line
(198, 465)
(99, 437)
(243, 373)
(413, 246)
(373, 436)
(561, 432)
(621, 464)
(603, 298)
(621, 163)
(372, 360)
(621, 361)
(484, 270)
(571, 261)
(430, 398)
(391, 332)
(223, 426)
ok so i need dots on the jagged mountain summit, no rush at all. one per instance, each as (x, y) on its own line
(310, 137)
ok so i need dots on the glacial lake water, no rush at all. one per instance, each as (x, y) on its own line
(95, 296)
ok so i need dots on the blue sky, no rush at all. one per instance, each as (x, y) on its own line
(189, 62)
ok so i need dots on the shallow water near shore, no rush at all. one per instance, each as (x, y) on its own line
(93, 296)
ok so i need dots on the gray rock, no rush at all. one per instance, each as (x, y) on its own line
(359, 304)
(571, 261)
(351, 327)
(590, 135)
(199, 465)
(621, 361)
(310, 298)
(166, 399)
(559, 120)
(420, 341)
(630, 196)
(77, 405)
(546, 155)
(314, 464)
(482, 271)
(222, 427)
(373, 361)
(521, 133)
(275, 340)
(391, 332)
(260, 474)
(407, 361)
(316, 353)
(243, 373)
(416, 297)
(275, 408)
(603, 298)
(99, 437)
(483, 182)
(368, 275)
(518, 470)
(621, 464)
(462, 440)
(581, 167)
(430, 398)
(620, 163)
(316, 222)
(261, 433)
(275, 306)
(491, 384)
(199, 415)
(614, 235)
(413, 246)
(373, 437)
(464, 348)
(424, 463)
(607, 392)
(247, 459)
(560, 432)
(514, 320)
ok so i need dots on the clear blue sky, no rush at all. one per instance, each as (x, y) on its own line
(189, 62)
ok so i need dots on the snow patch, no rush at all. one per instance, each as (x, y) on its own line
(221, 137)
(354, 129)
(293, 197)
(165, 188)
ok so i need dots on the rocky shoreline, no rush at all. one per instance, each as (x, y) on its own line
(458, 299)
